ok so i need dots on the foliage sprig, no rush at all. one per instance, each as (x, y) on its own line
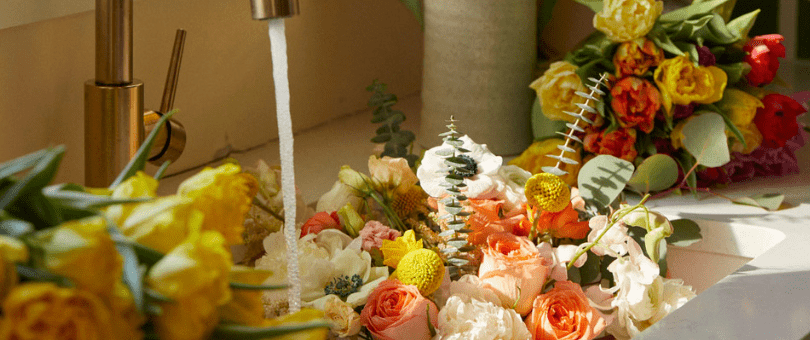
(398, 142)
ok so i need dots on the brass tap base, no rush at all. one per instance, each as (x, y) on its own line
(170, 140)
(113, 129)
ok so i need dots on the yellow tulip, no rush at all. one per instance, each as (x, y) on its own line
(556, 91)
(44, 311)
(195, 275)
(753, 139)
(625, 20)
(11, 251)
(83, 251)
(140, 185)
(681, 82)
(740, 106)
(162, 223)
(304, 315)
(245, 307)
(224, 195)
(677, 136)
(533, 159)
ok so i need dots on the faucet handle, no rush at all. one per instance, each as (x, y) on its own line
(172, 140)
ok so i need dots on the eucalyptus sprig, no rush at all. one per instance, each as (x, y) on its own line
(398, 143)
(456, 217)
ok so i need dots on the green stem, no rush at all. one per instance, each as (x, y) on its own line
(389, 213)
(533, 233)
(267, 209)
(610, 225)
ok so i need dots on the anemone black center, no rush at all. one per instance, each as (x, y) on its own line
(344, 286)
(469, 169)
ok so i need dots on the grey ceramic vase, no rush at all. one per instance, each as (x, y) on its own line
(478, 64)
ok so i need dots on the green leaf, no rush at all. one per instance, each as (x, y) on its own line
(589, 272)
(80, 200)
(697, 8)
(657, 172)
(131, 272)
(415, 6)
(154, 295)
(21, 163)
(602, 179)
(245, 286)
(380, 139)
(15, 228)
(741, 25)
(729, 124)
(138, 162)
(36, 274)
(769, 202)
(594, 5)
(735, 71)
(38, 177)
(705, 138)
(574, 275)
(160, 171)
(685, 233)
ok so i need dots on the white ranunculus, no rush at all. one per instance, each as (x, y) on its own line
(508, 185)
(674, 294)
(322, 258)
(467, 318)
(432, 170)
(639, 292)
(344, 320)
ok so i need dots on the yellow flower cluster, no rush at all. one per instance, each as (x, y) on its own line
(414, 265)
(548, 192)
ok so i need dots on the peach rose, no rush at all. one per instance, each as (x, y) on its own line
(513, 268)
(322, 220)
(565, 313)
(398, 311)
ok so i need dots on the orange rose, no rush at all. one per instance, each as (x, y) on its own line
(635, 102)
(564, 313)
(563, 224)
(398, 311)
(636, 57)
(513, 268)
(486, 220)
(619, 143)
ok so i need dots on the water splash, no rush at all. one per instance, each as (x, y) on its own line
(278, 48)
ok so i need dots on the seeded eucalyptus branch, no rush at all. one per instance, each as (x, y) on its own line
(574, 127)
(460, 166)
(397, 142)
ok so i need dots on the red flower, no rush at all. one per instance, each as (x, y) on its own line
(635, 102)
(321, 221)
(619, 143)
(763, 53)
(777, 120)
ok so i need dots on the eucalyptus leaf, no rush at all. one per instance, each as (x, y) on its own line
(685, 232)
(657, 172)
(21, 163)
(603, 178)
(769, 202)
(705, 138)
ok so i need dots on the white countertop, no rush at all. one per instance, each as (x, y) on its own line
(768, 298)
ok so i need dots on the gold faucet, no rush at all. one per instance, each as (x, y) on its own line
(113, 101)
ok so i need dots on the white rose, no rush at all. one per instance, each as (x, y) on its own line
(344, 320)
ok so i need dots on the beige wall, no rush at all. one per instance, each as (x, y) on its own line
(225, 92)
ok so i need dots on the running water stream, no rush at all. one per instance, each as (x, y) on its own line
(278, 48)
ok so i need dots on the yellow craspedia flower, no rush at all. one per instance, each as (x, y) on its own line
(422, 268)
(682, 82)
(83, 251)
(11, 250)
(140, 185)
(224, 195)
(393, 251)
(548, 192)
(45, 311)
(625, 20)
(533, 159)
(556, 91)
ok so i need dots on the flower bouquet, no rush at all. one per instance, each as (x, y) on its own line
(685, 104)
(467, 247)
(121, 263)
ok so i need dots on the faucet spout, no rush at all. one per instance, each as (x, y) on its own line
(113, 101)
(270, 9)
